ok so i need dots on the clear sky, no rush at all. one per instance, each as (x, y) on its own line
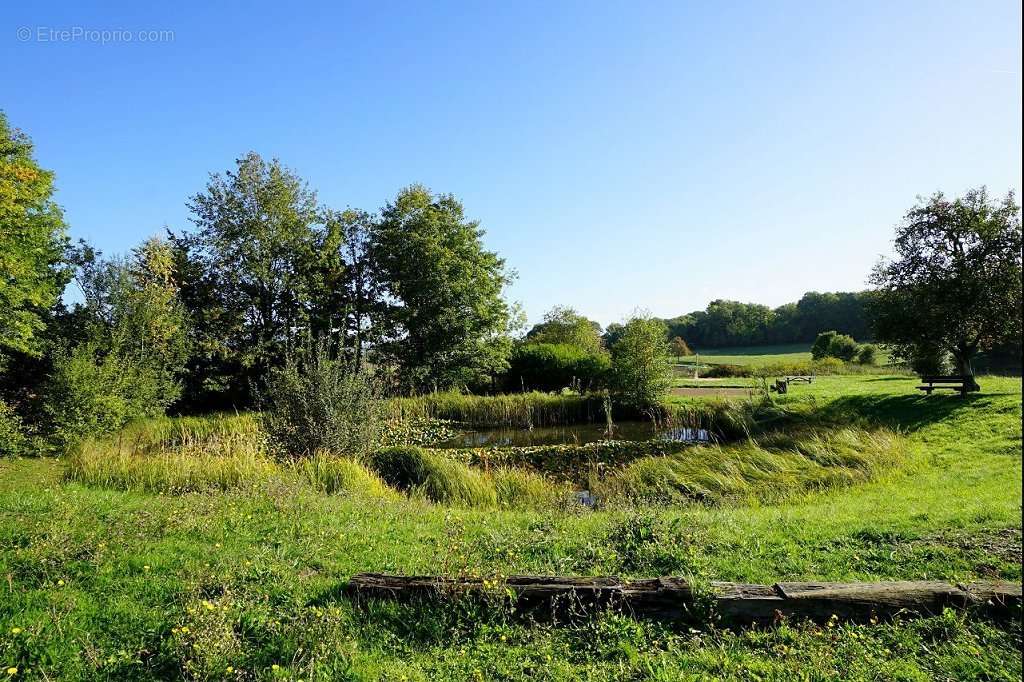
(654, 155)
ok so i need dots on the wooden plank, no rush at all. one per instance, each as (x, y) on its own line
(672, 598)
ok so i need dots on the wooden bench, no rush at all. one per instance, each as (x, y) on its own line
(800, 379)
(953, 382)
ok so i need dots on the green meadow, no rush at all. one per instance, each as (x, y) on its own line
(239, 575)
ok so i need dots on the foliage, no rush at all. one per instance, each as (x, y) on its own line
(955, 284)
(32, 241)
(769, 467)
(130, 363)
(679, 347)
(104, 581)
(446, 316)
(832, 344)
(519, 409)
(640, 371)
(552, 367)
(247, 274)
(868, 354)
(321, 401)
(564, 326)
(12, 435)
(730, 323)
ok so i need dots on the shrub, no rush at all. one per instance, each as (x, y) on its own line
(550, 367)
(402, 467)
(834, 345)
(12, 437)
(93, 392)
(320, 402)
(333, 474)
(843, 347)
(868, 354)
(822, 344)
(640, 369)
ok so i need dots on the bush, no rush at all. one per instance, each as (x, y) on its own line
(12, 437)
(551, 367)
(94, 392)
(402, 467)
(843, 347)
(640, 368)
(834, 345)
(317, 402)
(868, 354)
(822, 344)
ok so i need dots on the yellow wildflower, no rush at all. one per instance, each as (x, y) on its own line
(15, 631)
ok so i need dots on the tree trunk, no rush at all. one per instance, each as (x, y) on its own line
(671, 598)
(963, 355)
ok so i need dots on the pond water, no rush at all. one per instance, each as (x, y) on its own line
(573, 434)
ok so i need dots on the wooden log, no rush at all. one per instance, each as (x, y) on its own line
(672, 598)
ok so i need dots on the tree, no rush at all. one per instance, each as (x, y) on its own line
(955, 284)
(679, 347)
(32, 242)
(563, 325)
(446, 320)
(640, 367)
(130, 363)
(347, 290)
(247, 274)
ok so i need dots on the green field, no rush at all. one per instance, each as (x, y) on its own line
(752, 355)
(101, 583)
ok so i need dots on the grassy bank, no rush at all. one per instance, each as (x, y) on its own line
(111, 584)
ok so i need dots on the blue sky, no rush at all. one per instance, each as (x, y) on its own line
(618, 156)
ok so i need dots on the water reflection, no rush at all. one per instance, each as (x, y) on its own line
(574, 434)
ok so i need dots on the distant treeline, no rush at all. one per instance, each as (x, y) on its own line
(731, 323)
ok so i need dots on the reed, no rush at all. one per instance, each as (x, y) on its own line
(524, 410)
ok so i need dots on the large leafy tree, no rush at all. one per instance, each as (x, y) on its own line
(247, 274)
(955, 283)
(348, 293)
(563, 325)
(446, 320)
(32, 243)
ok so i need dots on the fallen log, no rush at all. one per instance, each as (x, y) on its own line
(672, 598)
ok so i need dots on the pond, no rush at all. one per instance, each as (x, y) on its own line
(573, 434)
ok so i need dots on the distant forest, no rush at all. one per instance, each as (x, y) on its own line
(730, 323)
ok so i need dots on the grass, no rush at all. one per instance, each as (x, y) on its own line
(518, 409)
(126, 584)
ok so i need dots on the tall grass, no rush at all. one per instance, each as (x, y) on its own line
(434, 476)
(332, 475)
(174, 455)
(768, 468)
(524, 410)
